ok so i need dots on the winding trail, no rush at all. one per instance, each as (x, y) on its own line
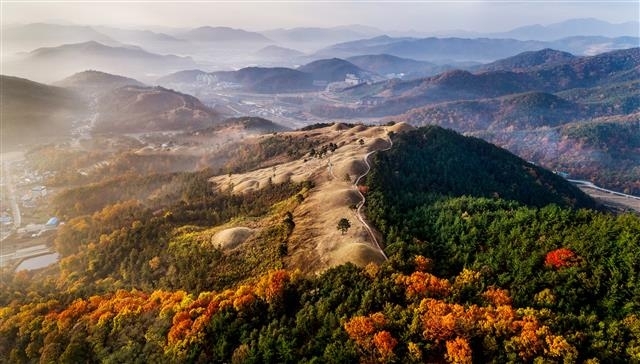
(361, 203)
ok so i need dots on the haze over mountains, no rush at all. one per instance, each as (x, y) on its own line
(31, 111)
(221, 48)
(53, 63)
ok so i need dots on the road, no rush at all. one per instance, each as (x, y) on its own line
(591, 185)
(7, 159)
(364, 200)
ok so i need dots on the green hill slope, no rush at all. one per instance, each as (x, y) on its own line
(431, 162)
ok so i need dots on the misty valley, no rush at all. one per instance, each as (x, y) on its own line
(325, 195)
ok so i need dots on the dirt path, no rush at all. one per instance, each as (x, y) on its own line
(364, 199)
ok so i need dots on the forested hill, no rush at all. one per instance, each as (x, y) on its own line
(470, 279)
(431, 161)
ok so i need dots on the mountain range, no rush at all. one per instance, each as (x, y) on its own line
(219, 48)
(54, 63)
(572, 28)
(273, 79)
(396, 96)
(443, 50)
(209, 34)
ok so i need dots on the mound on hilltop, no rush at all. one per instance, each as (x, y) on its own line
(231, 238)
(352, 167)
(339, 126)
(358, 128)
(341, 198)
(356, 253)
(400, 127)
(378, 144)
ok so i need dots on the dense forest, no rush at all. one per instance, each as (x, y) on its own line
(491, 259)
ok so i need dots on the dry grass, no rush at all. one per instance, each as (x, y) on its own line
(315, 243)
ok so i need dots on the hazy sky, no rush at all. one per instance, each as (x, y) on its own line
(260, 15)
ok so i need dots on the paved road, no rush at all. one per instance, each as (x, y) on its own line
(359, 207)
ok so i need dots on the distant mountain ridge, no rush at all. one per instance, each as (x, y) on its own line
(268, 80)
(385, 64)
(37, 35)
(442, 50)
(223, 34)
(72, 58)
(314, 37)
(276, 53)
(332, 70)
(528, 60)
(573, 27)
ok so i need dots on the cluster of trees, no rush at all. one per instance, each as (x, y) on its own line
(395, 313)
(250, 156)
(325, 149)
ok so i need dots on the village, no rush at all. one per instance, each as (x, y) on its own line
(26, 229)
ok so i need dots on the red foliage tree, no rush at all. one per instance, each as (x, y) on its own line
(560, 258)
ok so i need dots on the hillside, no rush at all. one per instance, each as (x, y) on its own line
(273, 52)
(432, 161)
(385, 64)
(96, 82)
(604, 150)
(331, 70)
(618, 66)
(525, 61)
(254, 124)
(268, 80)
(188, 76)
(514, 112)
(32, 110)
(133, 109)
(397, 96)
(223, 34)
